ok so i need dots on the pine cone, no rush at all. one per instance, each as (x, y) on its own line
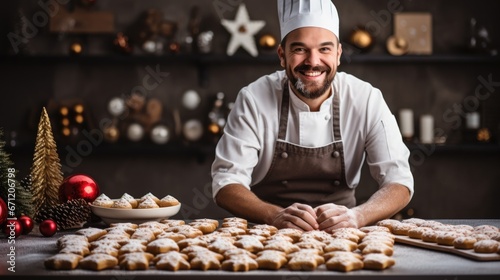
(24, 197)
(71, 214)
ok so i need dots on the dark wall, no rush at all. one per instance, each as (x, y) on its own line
(449, 184)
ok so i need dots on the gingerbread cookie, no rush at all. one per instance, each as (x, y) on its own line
(319, 235)
(155, 226)
(105, 243)
(172, 261)
(306, 260)
(235, 219)
(186, 230)
(130, 199)
(340, 245)
(177, 237)
(377, 261)
(147, 203)
(272, 229)
(62, 261)
(122, 203)
(235, 224)
(250, 243)
(271, 259)
(464, 242)
(206, 260)
(486, 246)
(143, 234)
(234, 231)
(294, 234)
(91, 233)
(71, 239)
(103, 201)
(311, 244)
(168, 201)
(377, 248)
(238, 251)
(344, 263)
(159, 246)
(172, 223)
(106, 250)
(402, 228)
(135, 261)
(149, 196)
(220, 245)
(205, 227)
(98, 262)
(240, 262)
(81, 250)
(388, 223)
(191, 241)
(132, 247)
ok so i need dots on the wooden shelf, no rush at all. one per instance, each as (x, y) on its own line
(199, 151)
(203, 61)
(268, 57)
(202, 150)
(436, 58)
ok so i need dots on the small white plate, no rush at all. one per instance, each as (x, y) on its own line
(137, 216)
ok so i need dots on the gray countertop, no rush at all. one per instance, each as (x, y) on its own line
(411, 263)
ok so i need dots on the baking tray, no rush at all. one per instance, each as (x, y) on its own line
(448, 249)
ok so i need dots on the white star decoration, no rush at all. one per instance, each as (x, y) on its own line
(242, 31)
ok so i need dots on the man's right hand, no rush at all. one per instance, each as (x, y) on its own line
(297, 215)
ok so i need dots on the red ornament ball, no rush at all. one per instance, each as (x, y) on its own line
(27, 223)
(3, 212)
(13, 228)
(78, 186)
(48, 228)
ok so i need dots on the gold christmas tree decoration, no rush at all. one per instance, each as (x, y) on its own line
(46, 172)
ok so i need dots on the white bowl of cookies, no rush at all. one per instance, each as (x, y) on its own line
(134, 210)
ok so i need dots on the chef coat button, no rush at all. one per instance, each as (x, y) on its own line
(336, 183)
(327, 117)
(335, 154)
(284, 155)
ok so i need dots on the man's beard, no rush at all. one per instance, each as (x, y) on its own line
(311, 93)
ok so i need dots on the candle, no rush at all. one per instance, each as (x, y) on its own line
(472, 120)
(427, 129)
(406, 123)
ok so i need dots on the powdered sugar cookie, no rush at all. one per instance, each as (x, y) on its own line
(168, 201)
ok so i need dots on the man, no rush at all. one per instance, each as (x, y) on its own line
(295, 140)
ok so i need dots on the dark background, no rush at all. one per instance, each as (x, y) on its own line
(457, 180)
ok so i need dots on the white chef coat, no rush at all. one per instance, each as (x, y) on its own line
(244, 152)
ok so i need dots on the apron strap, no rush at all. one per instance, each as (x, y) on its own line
(336, 116)
(284, 111)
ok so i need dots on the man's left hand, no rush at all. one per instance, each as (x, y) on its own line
(331, 216)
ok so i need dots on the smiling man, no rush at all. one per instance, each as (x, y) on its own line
(295, 141)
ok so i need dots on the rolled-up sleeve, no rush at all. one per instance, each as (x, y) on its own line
(387, 155)
(236, 153)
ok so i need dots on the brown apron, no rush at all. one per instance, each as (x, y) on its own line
(311, 176)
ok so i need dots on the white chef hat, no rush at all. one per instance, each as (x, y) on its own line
(295, 14)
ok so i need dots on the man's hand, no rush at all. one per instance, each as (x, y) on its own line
(297, 215)
(331, 216)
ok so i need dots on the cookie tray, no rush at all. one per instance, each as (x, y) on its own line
(449, 249)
